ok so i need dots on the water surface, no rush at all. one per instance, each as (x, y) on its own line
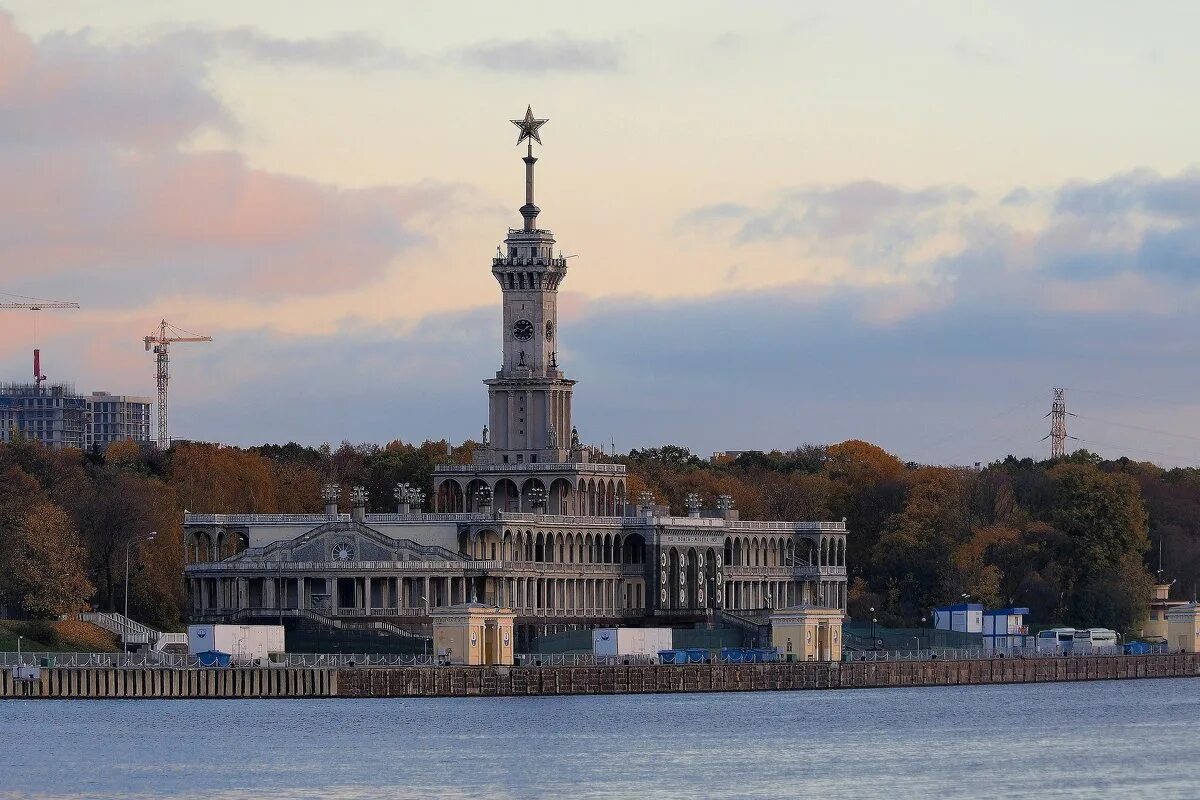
(1103, 739)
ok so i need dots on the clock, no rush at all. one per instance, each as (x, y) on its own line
(549, 330)
(523, 330)
(343, 551)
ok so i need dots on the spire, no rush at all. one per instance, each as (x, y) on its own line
(528, 127)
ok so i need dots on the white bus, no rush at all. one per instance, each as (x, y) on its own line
(1056, 640)
(1095, 640)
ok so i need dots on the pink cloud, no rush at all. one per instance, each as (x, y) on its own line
(100, 199)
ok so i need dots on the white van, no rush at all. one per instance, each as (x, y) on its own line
(1056, 640)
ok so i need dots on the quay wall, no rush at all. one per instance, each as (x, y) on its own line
(165, 682)
(294, 682)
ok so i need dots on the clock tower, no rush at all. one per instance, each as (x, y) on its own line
(529, 399)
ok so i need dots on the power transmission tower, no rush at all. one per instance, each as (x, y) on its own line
(1058, 425)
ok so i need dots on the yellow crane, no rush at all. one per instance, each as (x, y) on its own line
(167, 335)
(35, 304)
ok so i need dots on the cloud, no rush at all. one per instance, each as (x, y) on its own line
(549, 54)
(1134, 239)
(64, 90)
(351, 50)
(707, 215)
(102, 198)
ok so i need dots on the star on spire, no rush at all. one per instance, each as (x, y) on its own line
(529, 126)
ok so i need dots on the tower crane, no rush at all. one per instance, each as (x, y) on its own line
(36, 304)
(167, 335)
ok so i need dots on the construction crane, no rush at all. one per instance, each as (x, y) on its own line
(36, 304)
(167, 335)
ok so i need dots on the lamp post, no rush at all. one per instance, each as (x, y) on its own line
(922, 633)
(425, 641)
(125, 636)
(19, 638)
(874, 641)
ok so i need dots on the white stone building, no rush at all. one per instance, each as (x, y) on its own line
(532, 524)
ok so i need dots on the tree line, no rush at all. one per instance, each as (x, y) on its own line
(1077, 540)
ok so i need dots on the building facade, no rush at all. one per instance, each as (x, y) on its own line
(59, 418)
(51, 414)
(117, 418)
(533, 524)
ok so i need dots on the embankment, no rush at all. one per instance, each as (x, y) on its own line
(533, 681)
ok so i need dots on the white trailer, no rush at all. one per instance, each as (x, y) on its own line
(239, 641)
(630, 641)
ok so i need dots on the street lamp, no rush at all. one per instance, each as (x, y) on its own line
(874, 642)
(125, 625)
(425, 641)
(19, 638)
(922, 633)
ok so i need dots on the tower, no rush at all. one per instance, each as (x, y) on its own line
(529, 399)
(1058, 424)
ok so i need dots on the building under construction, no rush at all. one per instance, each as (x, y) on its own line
(59, 418)
(52, 414)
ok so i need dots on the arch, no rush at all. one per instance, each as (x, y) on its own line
(773, 554)
(710, 575)
(450, 498)
(672, 586)
(824, 551)
(736, 555)
(506, 548)
(527, 487)
(474, 486)
(589, 554)
(633, 549)
(539, 548)
(601, 499)
(560, 498)
(201, 549)
(755, 548)
(693, 583)
(621, 499)
(505, 496)
(841, 552)
(559, 556)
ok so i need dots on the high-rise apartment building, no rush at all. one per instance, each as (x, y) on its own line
(115, 418)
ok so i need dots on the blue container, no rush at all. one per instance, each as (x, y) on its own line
(768, 654)
(696, 655)
(732, 655)
(1136, 648)
(213, 658)
(672, 656)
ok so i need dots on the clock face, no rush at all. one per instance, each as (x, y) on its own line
(523, 330)
(549, 330)
(343, 551)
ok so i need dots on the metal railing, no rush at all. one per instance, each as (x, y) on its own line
(157, 660)
(569, 468)
(261, 519)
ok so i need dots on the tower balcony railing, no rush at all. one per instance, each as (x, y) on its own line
(510, 261)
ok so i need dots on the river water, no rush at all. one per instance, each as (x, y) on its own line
(1103, 739)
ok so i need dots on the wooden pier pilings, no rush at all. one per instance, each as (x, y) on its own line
(295, 682)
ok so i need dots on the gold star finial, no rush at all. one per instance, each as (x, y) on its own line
(529, 126)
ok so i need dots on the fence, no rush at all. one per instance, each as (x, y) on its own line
(159, 660)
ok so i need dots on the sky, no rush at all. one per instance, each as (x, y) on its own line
(793, 222)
